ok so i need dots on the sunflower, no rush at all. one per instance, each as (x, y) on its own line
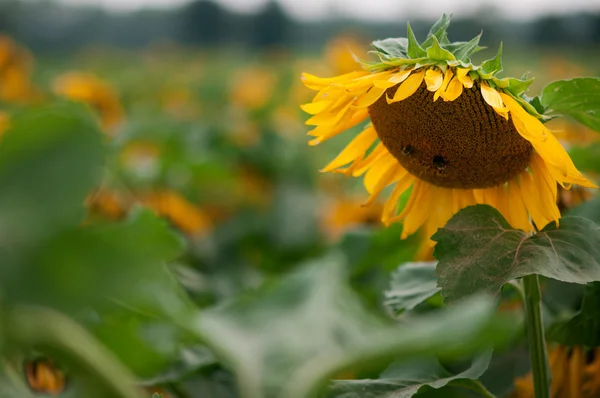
(444, 131)
(89, 89)
(575, 374)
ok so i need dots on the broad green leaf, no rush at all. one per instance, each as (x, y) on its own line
(437, 53)
(393, 47)
(589, 209)
(414, 50)
(50, 159)
(491, 253)
(493, 65)
(405, 379)
(79, 267)
(412, 284)
(584, 328)
(438, 31)
(578, 98)
(263, 338)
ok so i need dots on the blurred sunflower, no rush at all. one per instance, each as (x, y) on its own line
(449, 133)
(252, 87)
(89, 89)
(179, 211)
(575, 374)
(340, 53)
(15, 70)
(44, 377)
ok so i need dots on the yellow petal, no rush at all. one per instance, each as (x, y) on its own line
(546, 145)
(517, 211)
(393, 174)
(313, 81)
(442, 88)
(391, 205)
(354, 150)
(396, 78)
(369, 98)
(493, 99)
(576, 363)
(377, 170)
(537, 197)
(417, 209)
(433, 79)
(313, 108)
(463, 76)
(453, 91)
(441, 212)
(349, 120)
(374, 156)
(408, 87)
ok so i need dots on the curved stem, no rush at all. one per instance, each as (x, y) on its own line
(535, 334)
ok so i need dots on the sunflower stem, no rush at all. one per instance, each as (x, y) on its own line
(535, 334)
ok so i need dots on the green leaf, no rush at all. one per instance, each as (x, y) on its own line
(263, 338)
(493, 65)
(491, 253)
(578, 98)
(463, 51)
(435, 52)
(91, 257)
(438, 31)
(586, 159)
(50, 159)
(414, 49)
(407, 379)
(412, 284)
(584, 327)
(393, 47)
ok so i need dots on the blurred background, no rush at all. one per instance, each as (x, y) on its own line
(198, 102)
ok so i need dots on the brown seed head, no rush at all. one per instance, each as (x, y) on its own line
(456, 144)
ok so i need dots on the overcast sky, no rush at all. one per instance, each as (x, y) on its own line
(379, 9)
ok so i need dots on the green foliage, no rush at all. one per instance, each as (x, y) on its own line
(491, 252)
(583, 329)
(420, 378)
(577, 98)
(411, 284)
(263, 338)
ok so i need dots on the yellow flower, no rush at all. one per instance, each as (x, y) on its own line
(15, 70)
(179, 211)
(340, 53)
(445, 131)
(575, 374)
(44, 377)
(107, 203)
(91, 90)
(252, 87)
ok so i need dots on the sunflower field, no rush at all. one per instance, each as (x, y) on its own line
(168, 229)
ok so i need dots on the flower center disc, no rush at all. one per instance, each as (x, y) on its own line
(456, 144)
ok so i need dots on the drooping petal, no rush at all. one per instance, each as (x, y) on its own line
(349, 120)
(393, 174)
(433, 79)
(517, 211)
(442, 88)
(374, 156)
(314, 108)
(391, 205)
(354, 150)
(417, 209)
(546, 145)
(377, 170)
(453, 91)
(493, 99)
(369, 98)
(408, 87)
(463, 76)
(396, 78)
(537, 197)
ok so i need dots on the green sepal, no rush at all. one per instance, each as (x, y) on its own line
(414, 49)
(392, 47)
(438, 32)
(436, 52)
(514, 85)
(493, 65)
(463, 50)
